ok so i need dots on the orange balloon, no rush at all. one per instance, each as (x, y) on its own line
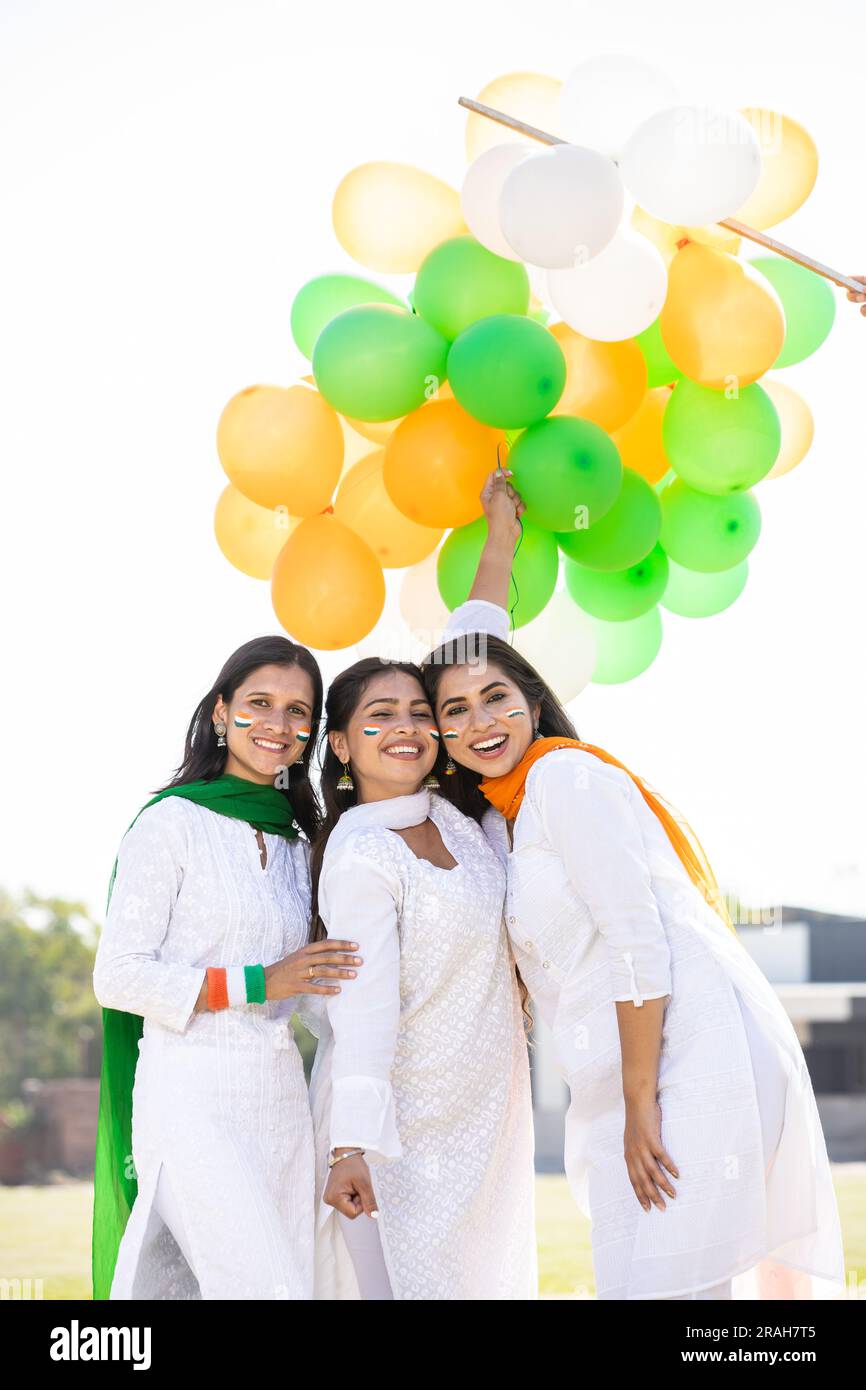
(640, 439)
(327, 588)
(363, 504)
(282, 446)
(605, 382)
(436, 463)
(722, 323)
(251, 537)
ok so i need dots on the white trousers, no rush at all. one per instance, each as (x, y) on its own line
(167, 1205)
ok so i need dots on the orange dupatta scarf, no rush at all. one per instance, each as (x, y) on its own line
(506, 794)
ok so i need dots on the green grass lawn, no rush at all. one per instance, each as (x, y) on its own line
(45, 1235)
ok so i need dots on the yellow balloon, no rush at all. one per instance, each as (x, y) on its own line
(375, 431)
(605, 382)
(716, 237)
(363, 504)
(722, 322)
(789, 168)
(251, 537)
(529, 96)
(327, 587)
(436, 464)
(388, 216)
(282, 446)
(798, 426)
(640, 439)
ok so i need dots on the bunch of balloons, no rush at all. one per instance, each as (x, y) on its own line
(576, 313)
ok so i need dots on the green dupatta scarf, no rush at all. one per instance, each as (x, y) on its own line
(115, 1185)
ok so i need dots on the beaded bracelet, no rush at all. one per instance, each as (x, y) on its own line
(234, 985)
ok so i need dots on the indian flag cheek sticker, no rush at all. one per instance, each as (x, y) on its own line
(302, 735)
(243, 721)
(434, 733)
(371, 730)
(450, 733)
(515, 714)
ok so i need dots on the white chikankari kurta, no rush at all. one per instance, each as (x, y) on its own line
(600, 908)
(423, 1061)
(220, 1097)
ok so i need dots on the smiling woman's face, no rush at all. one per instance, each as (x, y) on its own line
(391, 741)
(484, 718)
(267, 722)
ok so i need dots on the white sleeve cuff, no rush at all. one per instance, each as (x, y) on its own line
(477, 615)
(363, 1117)
(648, 977)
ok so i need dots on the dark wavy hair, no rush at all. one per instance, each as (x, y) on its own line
(479, 649)
(204, 760)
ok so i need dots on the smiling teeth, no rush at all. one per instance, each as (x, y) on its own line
(403, 748)
(267, 743)
(490, 742)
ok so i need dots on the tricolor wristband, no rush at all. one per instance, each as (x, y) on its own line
(235, 985)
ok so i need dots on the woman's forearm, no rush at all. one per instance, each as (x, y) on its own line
(640, 1036)
(493, 574)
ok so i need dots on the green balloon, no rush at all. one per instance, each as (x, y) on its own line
(506, 370)
(624, 650)
(460, 281)
(719, 445)
(624, 535)
(533, 575)
(320, 300)
(378, 363)
(705, 532)
(540, 315)
(566, 470)
(808, 302)
(620, 594)
(695, 595)
(661, 371)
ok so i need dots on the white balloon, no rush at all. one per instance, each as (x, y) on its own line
(560, 644)
(606, 98)
(617, 294)
(561, 207)
(691, 165)
(481, 191)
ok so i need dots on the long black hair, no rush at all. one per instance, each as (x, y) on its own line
(344, 696)
(477, 650)
(204, 760)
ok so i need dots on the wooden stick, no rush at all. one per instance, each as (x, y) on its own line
(740, 228)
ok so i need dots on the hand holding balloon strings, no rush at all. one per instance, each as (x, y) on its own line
(861, 297)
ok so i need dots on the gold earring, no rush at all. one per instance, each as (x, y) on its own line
(431, 781)
(220, 729)
(344, 782)
(450, 767)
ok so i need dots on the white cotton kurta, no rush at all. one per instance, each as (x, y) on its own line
(220, 1098)
(423, 1062)
(600, 908)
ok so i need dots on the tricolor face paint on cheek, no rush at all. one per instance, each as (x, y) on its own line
(450, 733)
(515, 714)
(371, 730)
(303, 735)
(434, 733)
(243, 721)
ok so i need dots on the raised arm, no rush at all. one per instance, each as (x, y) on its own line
(486, 608)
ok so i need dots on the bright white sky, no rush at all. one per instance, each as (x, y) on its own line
(168, 171)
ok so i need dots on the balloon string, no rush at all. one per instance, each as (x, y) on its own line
(516, 548)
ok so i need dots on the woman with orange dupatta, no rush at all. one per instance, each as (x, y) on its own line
(692, 1140)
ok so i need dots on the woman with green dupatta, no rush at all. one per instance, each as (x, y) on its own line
(204, 1171)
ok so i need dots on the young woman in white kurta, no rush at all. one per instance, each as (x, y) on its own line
(601, 913)
(422, 1063)
(222, 1138)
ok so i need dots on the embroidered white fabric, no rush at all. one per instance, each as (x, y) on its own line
(426, 1064)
